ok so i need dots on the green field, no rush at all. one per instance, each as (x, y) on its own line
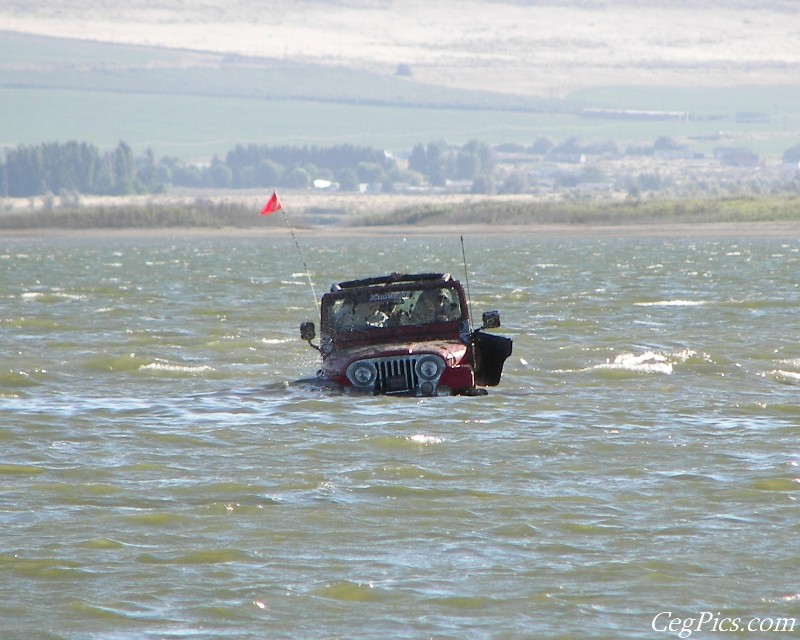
(194, 105)
(200, 126)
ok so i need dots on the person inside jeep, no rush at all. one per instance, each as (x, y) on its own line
(434, 305)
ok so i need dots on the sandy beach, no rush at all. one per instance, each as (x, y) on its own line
(789, 230)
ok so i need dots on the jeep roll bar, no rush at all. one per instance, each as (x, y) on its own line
(393, 278)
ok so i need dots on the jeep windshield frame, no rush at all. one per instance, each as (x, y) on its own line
(416, 308)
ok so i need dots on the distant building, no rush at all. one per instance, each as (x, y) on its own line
(636, 114)
(752, 117)
(736, 156)
(567, 158)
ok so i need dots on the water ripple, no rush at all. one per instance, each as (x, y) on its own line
(170, 467)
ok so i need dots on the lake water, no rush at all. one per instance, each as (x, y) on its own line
(163, 475)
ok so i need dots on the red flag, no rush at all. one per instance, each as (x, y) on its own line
(273, 205)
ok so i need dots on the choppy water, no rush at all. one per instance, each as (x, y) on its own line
(163, 476)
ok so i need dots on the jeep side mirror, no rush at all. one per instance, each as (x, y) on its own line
(491, 319)
(308, 331)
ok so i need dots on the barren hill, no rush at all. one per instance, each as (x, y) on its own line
(529, 47)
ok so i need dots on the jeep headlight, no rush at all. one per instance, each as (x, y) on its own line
(429, 368)
(361, 374)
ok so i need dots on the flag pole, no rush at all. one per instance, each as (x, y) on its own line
(466, 278)
(273, 205)
(302, 259)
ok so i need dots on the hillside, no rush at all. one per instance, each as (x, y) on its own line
(526, 47)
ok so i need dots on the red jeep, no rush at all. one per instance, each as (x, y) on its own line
(406, 335)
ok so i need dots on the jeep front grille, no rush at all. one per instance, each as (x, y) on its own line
(410, 374)
(396, 375)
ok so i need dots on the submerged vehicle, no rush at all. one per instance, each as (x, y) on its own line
(406, 334)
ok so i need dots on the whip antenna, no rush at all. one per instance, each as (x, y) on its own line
(302, 259)
(466, 281)
(273, 205)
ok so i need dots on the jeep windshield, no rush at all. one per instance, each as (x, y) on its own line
(384, 308)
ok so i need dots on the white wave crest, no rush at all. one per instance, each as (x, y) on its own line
(420, 438)
(175, 368)
(33, 295)
(685, 354)
(648, 362)
(671, 303)
(276, 340)
(789, 377)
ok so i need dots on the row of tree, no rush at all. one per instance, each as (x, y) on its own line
(74, 166)
(78, 167)
(440, 163)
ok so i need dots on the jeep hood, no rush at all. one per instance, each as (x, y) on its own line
(451, 351)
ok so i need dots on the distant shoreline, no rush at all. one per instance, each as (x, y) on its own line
(654, 230)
